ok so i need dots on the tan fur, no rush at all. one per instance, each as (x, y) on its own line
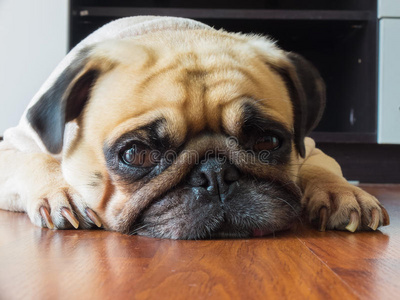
(197, 81)
(323, 185)
(170, 82)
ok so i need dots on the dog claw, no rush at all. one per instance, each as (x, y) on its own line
(46, 216)
(93, 217)
(70, 217)
(354, 221)
(323, 218)
(374, 219)
(386, 219)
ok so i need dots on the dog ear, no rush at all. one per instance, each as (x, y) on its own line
(63, 101)
(307, 92)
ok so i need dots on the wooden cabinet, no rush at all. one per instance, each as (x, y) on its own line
(340, 39)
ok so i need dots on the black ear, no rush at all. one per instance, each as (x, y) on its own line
(307, 92)
(63, 102)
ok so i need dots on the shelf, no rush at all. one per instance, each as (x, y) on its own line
(202, 13)
(344, 137)
(339, 40)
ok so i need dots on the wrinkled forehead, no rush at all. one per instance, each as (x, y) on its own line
(168, 130)
(192, 89)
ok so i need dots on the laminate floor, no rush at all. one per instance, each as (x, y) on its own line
(38, 263)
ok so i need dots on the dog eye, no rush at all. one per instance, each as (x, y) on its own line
(269, 142)
(138, 156)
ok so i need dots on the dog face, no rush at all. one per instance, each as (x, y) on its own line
(185, 135)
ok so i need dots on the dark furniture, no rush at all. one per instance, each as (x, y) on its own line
(339, 37)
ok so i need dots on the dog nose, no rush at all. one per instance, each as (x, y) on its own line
(216, 175)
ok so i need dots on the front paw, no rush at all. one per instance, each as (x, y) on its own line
(60, 207)
(343, 206)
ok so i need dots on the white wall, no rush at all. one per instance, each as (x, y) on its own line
(388, 8)
(33, 39)
(389, 72)
(389, 82)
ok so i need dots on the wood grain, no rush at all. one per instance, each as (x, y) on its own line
(304, 263)
(368, 262)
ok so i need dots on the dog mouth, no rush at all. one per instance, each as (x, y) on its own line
(253, 211)
(220, 225)
(217, 225)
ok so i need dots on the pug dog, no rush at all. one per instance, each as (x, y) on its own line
(165, 127)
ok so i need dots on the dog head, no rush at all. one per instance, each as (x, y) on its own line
(184, 134)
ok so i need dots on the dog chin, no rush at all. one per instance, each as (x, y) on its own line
(248, 210)
(225, 231)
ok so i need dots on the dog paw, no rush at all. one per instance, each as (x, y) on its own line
(61, 207)
(343, 206)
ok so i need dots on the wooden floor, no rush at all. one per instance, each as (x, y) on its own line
(43, 264)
